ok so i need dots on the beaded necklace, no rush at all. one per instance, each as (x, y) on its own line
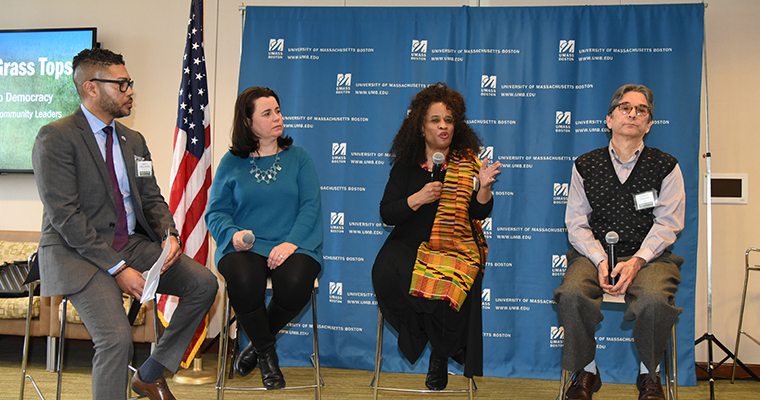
(268, 175)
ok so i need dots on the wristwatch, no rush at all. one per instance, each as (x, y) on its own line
(176, 235)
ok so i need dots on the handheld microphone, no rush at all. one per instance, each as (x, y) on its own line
(248, 238)
(438, 159)
(611, 238)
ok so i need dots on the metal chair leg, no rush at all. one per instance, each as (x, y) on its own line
(25, 353)
(224, 343)
(378, 354)
(375, 384)
(671, 368)
(61, 339)
(318, 383)
(674, 363)
(739, 331)
(27, 337)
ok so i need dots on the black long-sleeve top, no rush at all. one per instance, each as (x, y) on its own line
(414, 227)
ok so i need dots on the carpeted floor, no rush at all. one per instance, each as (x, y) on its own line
(339, 383)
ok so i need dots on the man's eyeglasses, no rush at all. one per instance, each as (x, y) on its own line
(641, 111)
(123, 84)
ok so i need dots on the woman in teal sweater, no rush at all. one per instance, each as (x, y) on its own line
(265, 214)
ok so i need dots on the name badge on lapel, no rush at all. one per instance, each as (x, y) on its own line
(143, 167)
(644, 200)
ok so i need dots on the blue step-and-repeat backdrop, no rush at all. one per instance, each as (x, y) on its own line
(537, 82)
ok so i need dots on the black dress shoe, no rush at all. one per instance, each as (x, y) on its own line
(246, 361)
(650, 389)
(438, 372)
(585, 384)
(271, 376)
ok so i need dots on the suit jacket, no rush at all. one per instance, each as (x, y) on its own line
(79, 212)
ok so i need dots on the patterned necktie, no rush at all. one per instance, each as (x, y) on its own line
(121, 236)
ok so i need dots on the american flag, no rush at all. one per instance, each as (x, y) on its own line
(191, 164)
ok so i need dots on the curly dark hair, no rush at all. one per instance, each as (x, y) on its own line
(244, 142)
(88, 62)
(409, 143)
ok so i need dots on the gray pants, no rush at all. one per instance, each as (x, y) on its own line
(101, 307)
(650, 299)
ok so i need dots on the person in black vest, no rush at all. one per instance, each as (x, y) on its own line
(638, 192)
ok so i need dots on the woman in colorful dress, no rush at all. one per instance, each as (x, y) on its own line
(428, 274)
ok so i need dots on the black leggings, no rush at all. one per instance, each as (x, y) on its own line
(246, 274)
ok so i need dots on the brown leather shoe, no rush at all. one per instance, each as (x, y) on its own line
(157, 390)
(650, 389)
(585, 384)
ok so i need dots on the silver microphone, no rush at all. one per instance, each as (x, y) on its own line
(438, 159)
(611, 238)
(248, 238)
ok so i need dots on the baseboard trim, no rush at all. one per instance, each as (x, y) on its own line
(724, 371)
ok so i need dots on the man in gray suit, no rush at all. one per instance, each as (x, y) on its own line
(104, 223)
(638, 192)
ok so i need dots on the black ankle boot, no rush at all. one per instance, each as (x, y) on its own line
(438, 372)
(256, 327)
(271, 376)
(246, 360)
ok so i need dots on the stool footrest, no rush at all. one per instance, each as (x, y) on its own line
(221, 381)
(379, 361)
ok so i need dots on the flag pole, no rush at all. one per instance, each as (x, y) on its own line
(191, 170)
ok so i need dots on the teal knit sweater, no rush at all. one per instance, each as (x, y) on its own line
(288, 209)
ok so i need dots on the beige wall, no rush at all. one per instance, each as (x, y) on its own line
(150, 34)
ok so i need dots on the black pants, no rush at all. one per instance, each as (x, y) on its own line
(246, 274)
(418, 320)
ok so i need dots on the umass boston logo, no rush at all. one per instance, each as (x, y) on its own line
(560, 193)
(559, 264)
(337, 222)
(336, 292)
(567, 50)
(343, 84)
(338, 154)
(562, 121)
(419, 50)
(488, 85)
(276, 47)
(487, 227)
(486, 151)
(556, 336)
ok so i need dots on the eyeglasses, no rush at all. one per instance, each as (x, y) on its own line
(123, 84)
(641, 111)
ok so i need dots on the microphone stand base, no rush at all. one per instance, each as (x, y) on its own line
(711, 339)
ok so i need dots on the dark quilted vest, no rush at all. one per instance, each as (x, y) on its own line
(612, 203)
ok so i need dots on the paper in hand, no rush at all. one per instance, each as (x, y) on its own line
(152, 276)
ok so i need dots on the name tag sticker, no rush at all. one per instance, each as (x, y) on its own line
(144, 168)
(645, 200)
